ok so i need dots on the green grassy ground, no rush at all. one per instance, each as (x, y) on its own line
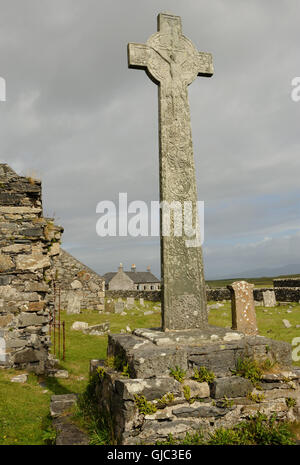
(24, 408)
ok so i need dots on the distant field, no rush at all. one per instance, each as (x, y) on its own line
(258, 282)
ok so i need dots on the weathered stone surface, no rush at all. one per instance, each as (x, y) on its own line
(76, 284)
(36, 287)
(269, 299)
(36, 306)
(19, 379)
(243, 308)
(72, 276)
(28, 319)
(130, 302)
(233, 386)
(6, 263)
(119, 307)
(29, 355)
(200, 390)
(97, 330)
(79, 325)
(68, 434)
(286, 323)
(5, 320)
(203, 411)
(150, 388)
(61, 403)
(173, 62)
(151, 353)
(32, 262)
(73, 303)
(59, 374)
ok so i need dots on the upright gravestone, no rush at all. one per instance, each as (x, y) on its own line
(119, 307)
(130, 302)
(73, 303)
(243, 308)
(142, 303)
(173, 62)
(269, 299)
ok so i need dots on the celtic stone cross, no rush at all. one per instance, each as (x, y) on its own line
(173, 62)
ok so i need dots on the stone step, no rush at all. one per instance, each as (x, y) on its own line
(67, 432)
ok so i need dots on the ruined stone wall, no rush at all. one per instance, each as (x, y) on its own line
(78, 282)
(28, 243)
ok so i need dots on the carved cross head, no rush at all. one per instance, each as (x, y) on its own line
(168, 55)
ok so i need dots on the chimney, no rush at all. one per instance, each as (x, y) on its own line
(133, 268)
(148, 269)
(120, 267)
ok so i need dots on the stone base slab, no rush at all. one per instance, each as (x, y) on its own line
(151, 352)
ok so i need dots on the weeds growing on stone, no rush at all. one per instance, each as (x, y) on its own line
(178, 373)
(290, 402)
(202, 374)
(248, 368)
(258, 430)
(144, 407)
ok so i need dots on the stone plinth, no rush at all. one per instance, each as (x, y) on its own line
(188, 406)
(243, 308)
(151, 352)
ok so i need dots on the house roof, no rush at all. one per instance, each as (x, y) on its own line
(136, 276)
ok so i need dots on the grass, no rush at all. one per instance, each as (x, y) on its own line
(269, 320)
(24, 408)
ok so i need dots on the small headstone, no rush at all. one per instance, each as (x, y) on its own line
(109, 306)
(242, 307)
(148, 313)
(286, 323)
(269, 299)
(119, 307)
(79, 325)
(73, 303)
(60, 374)
(19, 379)
(97, 330)
(128, 329)
(130, 302)
(142, 302)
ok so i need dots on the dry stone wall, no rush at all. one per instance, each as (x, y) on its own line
(152, 296)
(287, 289)
(28, 244)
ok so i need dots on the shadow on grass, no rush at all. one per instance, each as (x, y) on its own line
(55, 387)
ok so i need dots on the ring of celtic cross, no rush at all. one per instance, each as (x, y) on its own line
(174, 58)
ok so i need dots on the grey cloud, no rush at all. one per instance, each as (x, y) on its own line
(87, 126)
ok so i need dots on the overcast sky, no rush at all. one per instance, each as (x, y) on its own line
(77, 118)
